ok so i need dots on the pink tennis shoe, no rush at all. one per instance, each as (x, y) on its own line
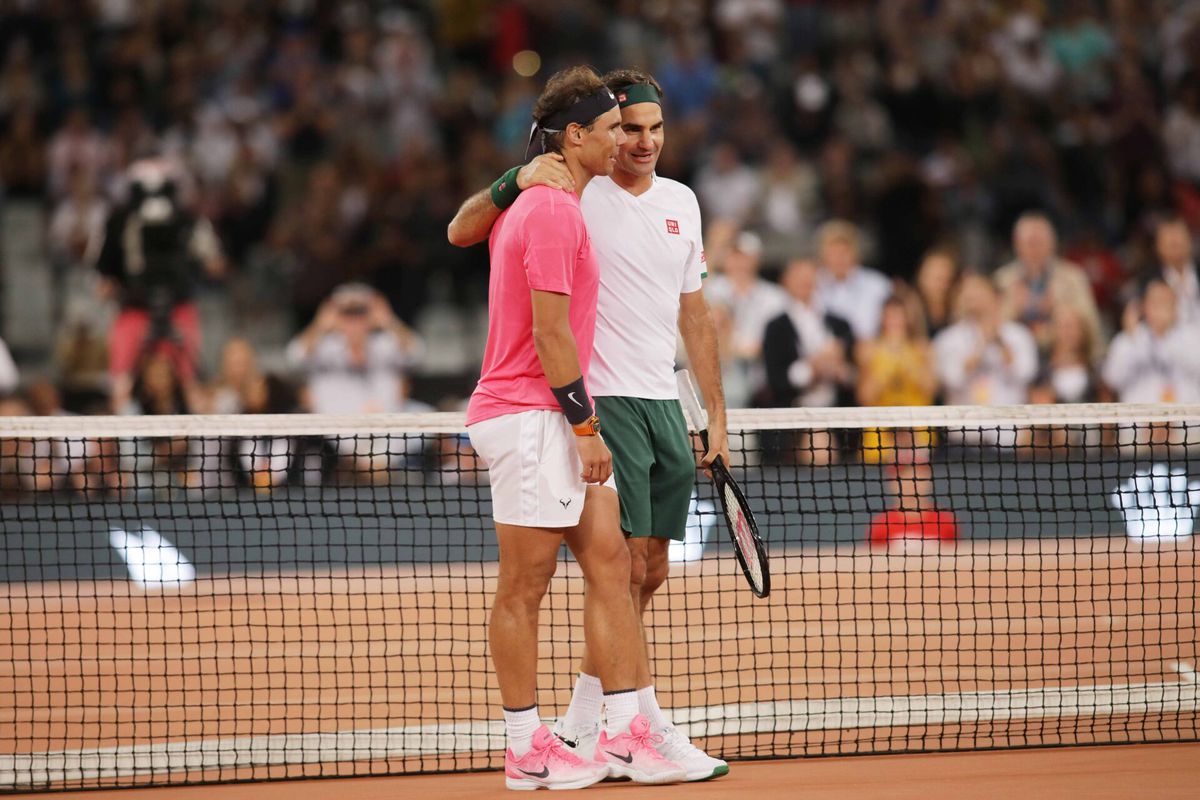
(635, 755)
(550, 764)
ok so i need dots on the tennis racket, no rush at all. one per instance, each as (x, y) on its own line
(743, 530)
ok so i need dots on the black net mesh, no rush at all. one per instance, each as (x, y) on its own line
(184, 607)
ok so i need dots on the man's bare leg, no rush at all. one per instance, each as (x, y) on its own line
(610, 618)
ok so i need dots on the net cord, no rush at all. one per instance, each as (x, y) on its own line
(282, 425)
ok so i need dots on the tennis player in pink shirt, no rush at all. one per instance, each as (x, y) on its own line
(532, 421)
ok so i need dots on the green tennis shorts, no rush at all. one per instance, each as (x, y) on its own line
(653, 463)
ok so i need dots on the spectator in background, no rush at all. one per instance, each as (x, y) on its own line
(158, 388)
(153, 254)
(1068, 370)
(896, 368)
(983, 358)
(239, 380)
(1037, 281)
(807, 353)
(1177, 268)
(806, 350)
(353, 357)
(1156, 358)
(743, 303)
(845, 288)
(936, 284)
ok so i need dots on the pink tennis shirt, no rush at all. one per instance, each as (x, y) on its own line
(539, 243)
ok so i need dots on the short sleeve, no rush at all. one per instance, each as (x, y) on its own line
(553, 237)
(697, 264)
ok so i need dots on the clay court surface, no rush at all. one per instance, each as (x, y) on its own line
(995, 644)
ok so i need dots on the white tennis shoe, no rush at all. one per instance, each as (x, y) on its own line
(697, 764)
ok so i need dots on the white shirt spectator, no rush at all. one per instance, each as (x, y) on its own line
(1144, 368)
(858, 298)
(814, 336)
(994, 380)
(337, 387)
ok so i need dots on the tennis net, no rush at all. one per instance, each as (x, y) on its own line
(206, 599)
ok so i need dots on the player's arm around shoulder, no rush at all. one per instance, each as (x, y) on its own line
(475, 218)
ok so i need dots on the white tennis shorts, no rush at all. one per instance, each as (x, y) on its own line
(533, 467)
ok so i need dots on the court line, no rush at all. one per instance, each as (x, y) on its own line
(53, 767)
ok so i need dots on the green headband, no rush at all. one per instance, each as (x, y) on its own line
(638, 93)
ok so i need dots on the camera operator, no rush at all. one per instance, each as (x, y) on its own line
(154, 252)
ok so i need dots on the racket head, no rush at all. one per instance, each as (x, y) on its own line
(743, 530)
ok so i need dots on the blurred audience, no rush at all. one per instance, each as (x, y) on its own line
(743, 303)
(916, 137)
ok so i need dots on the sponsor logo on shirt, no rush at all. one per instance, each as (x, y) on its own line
(673, 226)
(621, 97)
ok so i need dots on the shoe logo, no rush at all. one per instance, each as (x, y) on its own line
(545, 771)
(571, 395)
(569, 743)
(627, 758)
(564, 504)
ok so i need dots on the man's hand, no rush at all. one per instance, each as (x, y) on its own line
(718, 445)
(548, 169)
(597, 461)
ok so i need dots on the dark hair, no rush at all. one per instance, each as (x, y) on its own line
(618, 79)
(564, 89)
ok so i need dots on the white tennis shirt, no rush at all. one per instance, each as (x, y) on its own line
(650, 249)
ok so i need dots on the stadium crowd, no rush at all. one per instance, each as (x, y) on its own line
(905, 202)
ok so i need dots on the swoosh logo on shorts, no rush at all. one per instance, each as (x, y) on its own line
(573, 400)
(627, 758)
(545, 771)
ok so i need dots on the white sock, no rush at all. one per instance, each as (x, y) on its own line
(584, 710)
(520, 724)
(619, 710)
(648, 708)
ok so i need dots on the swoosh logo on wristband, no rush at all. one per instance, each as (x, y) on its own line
(571, 395)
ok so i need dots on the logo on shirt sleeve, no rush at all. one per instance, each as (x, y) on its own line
(673, 226)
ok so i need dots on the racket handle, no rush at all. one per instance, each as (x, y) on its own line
(695, 413)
